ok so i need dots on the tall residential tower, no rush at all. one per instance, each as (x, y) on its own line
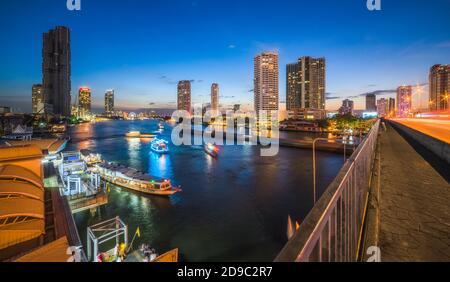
(439, 87)
(109, 102)
(305, 84)
(56, 70)
(404, 100)
(215, 98)
(184, 96)
(37, 99)
(266, 82)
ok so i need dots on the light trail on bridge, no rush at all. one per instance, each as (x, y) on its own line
(437, 128)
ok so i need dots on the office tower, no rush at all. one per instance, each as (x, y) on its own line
(305, 84)
(109, 102)
(347, 107)
(391, 107)
(215, 98)
(56, 70)
(266, 82)
(439, 87)
(184, 96)
(371, 102)
(382, 107)
(404, 95)
(84, 102)
(37, 99)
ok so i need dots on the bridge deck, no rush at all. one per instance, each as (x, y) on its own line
(414, 214)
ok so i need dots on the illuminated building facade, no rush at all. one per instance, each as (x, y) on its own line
(439, 87)
(382, 107)
(266, 82)
(84, 102)
(215, 98)
(347, 107)
(404, 96)
(184, 96)
(37, 99)
(109, 102)
(305, 84)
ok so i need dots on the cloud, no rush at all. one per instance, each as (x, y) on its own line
(231, 46)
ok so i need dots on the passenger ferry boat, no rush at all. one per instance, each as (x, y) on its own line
(137, 134)
(135, 180)
(212, 150)
(159, 146)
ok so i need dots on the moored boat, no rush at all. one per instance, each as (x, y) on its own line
(135, 180)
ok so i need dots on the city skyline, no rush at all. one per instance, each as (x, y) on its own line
(147, 76)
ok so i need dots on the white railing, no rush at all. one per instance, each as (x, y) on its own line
(331, 231)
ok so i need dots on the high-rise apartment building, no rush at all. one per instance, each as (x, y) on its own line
(347, 107)
(391, 107)
(184, 96)
(371, 102)
(305, 84)
(215, 98)
(439, 80)
(266, 82)
(404, 100)
(84, 102)
(56, 70)
(37, 99)
(382, 107)
(109, 102)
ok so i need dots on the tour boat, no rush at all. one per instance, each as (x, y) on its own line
(135, 180)
(137, 134)
(133, 134)
(161, 126)
(212, 150)
(159, 146)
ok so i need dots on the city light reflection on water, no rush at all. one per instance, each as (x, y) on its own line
(234, 207)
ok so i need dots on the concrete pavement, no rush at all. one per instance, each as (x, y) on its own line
(412, 204)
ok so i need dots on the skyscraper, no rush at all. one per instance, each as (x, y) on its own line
(305, 84)
(371, 102)
(56, 70)
(109, 102)
(404, 95)
(382, 107)
(439, 87)
(215, 98)
(391, 107)
(184, 96)
(347, 107)
(266, 82)
(37, 99)
(84, 102)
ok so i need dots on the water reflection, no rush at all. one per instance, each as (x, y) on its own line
(231, 208)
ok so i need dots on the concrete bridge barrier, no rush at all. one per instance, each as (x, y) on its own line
(440, 148)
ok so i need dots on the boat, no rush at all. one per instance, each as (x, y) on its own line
(138, 134)
(133, 134)
(135, 180)
(212, 150)
(159, 146)
(161, 126)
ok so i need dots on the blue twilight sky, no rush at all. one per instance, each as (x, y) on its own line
(141, 48)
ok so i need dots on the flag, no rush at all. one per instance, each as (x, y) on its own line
(138, 232)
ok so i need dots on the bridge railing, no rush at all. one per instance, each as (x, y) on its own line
(331, 230)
